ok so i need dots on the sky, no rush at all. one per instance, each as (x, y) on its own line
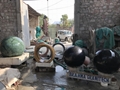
(53, 9)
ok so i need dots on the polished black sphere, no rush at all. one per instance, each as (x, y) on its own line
(74, 56)
(107, 61)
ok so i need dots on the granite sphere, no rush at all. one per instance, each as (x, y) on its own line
(74, 56)
(12, 46)
(107, 61)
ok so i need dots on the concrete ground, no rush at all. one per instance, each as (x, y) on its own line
(32, 80)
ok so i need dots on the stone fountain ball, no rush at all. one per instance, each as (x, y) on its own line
(12, 46)
(74, 56)
(107, 61)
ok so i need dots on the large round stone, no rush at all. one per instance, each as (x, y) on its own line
(12, 46)
(74, 56)
(107, 61)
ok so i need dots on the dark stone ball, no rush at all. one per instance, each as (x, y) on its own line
(74, 56)
(107, 61)
(12, 46)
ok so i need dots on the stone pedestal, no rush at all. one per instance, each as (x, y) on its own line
(44, 64)
(14, 60)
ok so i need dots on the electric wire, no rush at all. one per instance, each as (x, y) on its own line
(58, 8)
(51, 5)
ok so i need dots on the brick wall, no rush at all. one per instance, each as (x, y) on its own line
(8, 18)
(93, 14)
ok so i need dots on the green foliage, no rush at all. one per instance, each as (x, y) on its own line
(52, 30)
(65, 23)
(71, 22)
(41, 20)
(52, 26)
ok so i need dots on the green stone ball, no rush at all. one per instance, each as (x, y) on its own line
(12, 46)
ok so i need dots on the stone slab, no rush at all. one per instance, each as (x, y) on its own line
(45, 69)
(14, 60)
(20, 87)
(44, 64)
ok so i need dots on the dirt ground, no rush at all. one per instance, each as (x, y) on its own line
(57, 80)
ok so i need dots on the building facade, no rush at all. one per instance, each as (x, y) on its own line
(10, 18)
(15, 20)
(93, 14)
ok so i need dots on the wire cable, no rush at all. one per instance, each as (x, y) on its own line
(58, 8)
(51, 5)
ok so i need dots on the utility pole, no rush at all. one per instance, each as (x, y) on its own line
(47, 8)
